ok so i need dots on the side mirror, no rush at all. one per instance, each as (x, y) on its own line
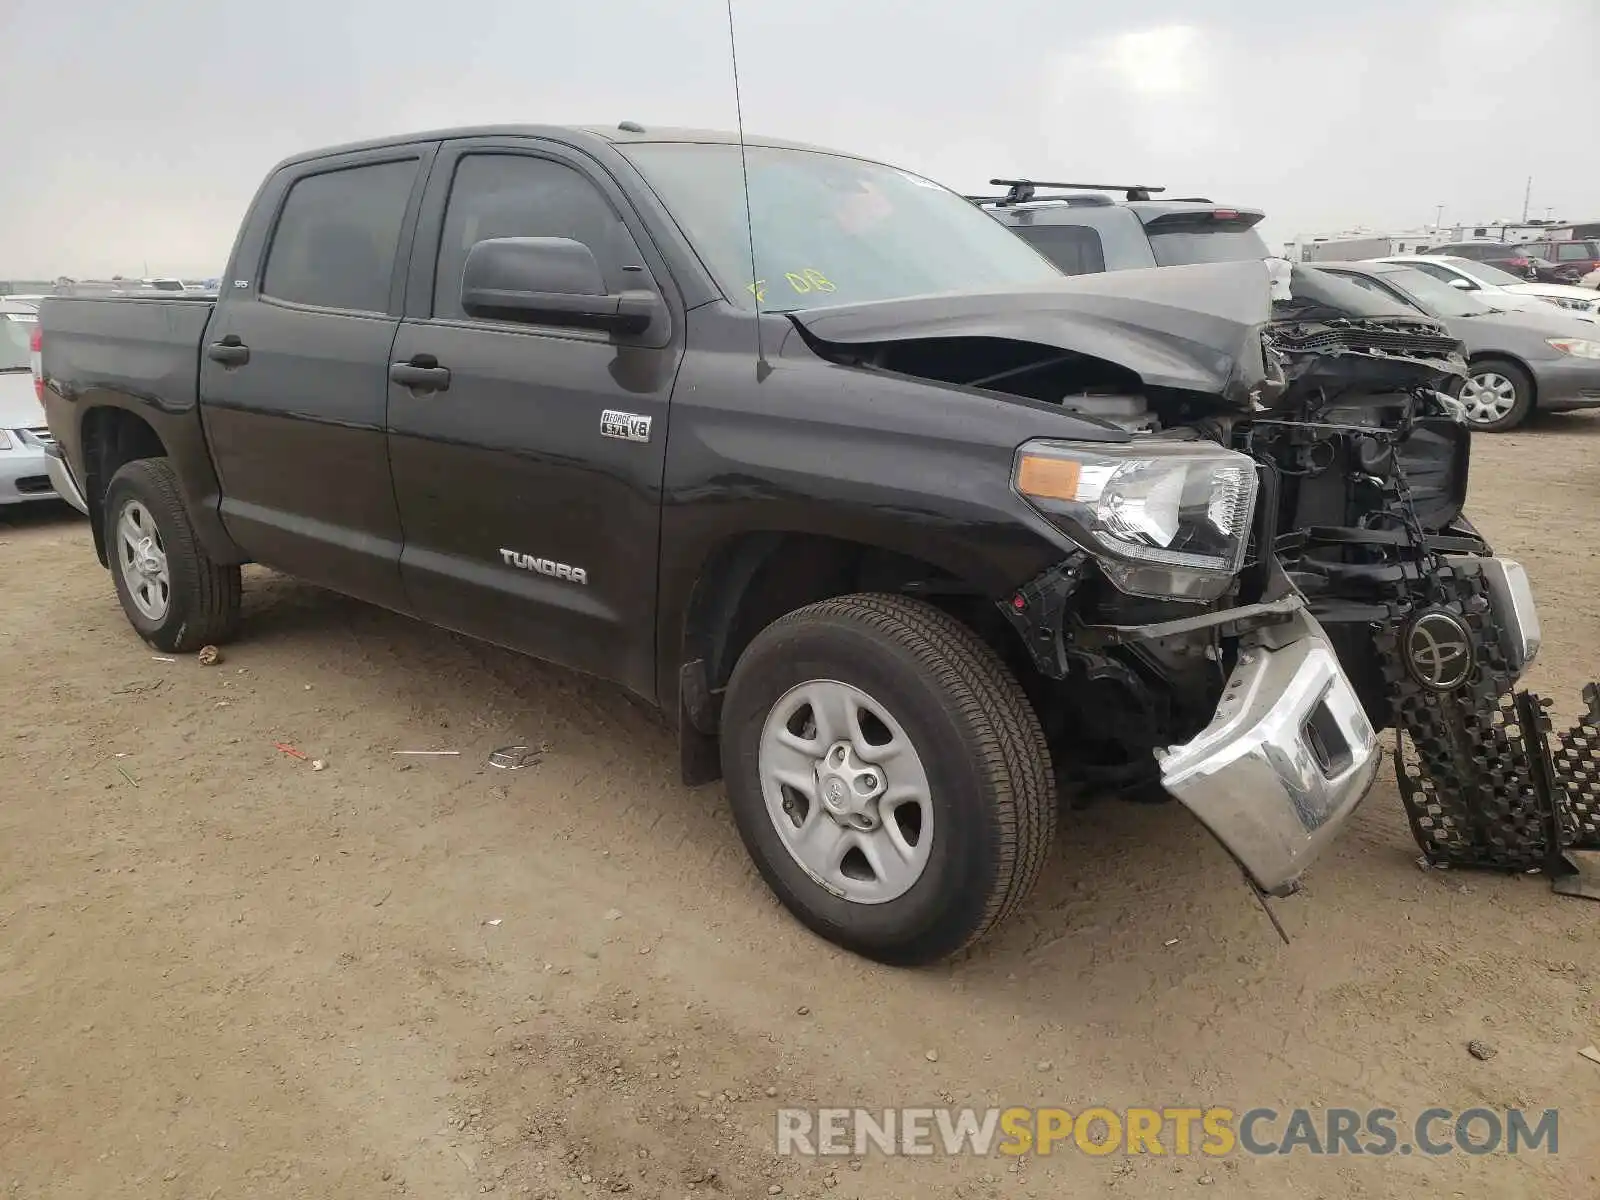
(1463, 284)
(548, 281)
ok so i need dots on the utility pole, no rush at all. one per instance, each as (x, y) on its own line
(1438, 217)
(1527, 194)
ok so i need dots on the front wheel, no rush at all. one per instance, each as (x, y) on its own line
(1498, 395)
(887, 775)
(172, 593)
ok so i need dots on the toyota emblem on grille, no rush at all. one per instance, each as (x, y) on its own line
(1439, 650)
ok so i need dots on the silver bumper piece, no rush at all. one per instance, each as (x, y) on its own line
(1286, 759)
(61, 479)
(1516, 616)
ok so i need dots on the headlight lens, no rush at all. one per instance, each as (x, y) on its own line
(1567, 302)
(1577, 347)
(1171, 519)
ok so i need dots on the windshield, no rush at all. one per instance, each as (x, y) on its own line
(15, 329)
(1320, 295)
(830, 229)
(1484, 273)
(1179, 248)
(1434, 295)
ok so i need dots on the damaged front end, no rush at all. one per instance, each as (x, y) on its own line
(1273, 564)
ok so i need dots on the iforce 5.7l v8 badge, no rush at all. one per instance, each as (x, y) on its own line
(630, 427)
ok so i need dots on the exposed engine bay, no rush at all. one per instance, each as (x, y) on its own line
(1346, 408)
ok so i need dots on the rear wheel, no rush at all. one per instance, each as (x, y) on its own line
(171, 591)
(887, 775)
(1498, 395)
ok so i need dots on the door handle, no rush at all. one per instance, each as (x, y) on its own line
(421, 376)
(230, 351)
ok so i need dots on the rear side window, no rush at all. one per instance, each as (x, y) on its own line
(1076, 249)
(1572, 252)
(338, 235)
(512, 195)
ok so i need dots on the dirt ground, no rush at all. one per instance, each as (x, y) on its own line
(223, 973)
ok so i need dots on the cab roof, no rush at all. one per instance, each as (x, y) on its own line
(579, 136)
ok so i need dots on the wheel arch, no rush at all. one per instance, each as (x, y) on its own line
(111, 437)
(751, 579)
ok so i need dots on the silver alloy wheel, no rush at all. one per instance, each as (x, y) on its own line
(143, 560)
(846, 791)
(1488, 397)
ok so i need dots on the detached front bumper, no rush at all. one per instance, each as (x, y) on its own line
(1286, 759)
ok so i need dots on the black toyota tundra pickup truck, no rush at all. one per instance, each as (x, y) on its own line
(908, 533)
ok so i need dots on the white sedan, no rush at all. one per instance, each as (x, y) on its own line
(1501, 289)
(23, 436)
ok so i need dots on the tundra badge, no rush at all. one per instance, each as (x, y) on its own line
(545, 566)
(630, 427)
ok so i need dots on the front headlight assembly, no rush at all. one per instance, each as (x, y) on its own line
(1577, 347)
(1164, 519)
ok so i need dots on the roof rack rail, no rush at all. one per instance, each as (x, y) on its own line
(1020, 191)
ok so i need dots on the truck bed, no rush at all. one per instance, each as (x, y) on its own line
(139, 355)
(147, 347)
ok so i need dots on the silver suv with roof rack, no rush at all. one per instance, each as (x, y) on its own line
(1087, 230)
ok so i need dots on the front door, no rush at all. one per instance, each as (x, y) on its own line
(529, 483)
(294, 373)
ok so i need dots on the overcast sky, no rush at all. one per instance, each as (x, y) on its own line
(135, 133)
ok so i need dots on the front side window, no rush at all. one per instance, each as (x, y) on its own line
(338, 235)
(515, 195)
(829, 229)
(1438, 299)
(1444, 273)
(1485, 273)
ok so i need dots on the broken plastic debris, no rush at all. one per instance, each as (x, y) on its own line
(209, 656)
(514, 758)
(318, 764)
(285, 748)
(494, 921)
(162, 658)
(1170, 942)
(1591, 1054)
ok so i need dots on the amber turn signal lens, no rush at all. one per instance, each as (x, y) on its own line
(1048, 478)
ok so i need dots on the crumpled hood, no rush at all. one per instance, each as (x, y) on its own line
(19, 405)
(1189, 329)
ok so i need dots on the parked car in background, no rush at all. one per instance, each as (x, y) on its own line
(1089, 231)
(1506, 256)
(1516, 361)
(1501, 289)
(23, 434)
(1571, 260)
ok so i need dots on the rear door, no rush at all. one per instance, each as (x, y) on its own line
(530, 487)
(294, 373)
